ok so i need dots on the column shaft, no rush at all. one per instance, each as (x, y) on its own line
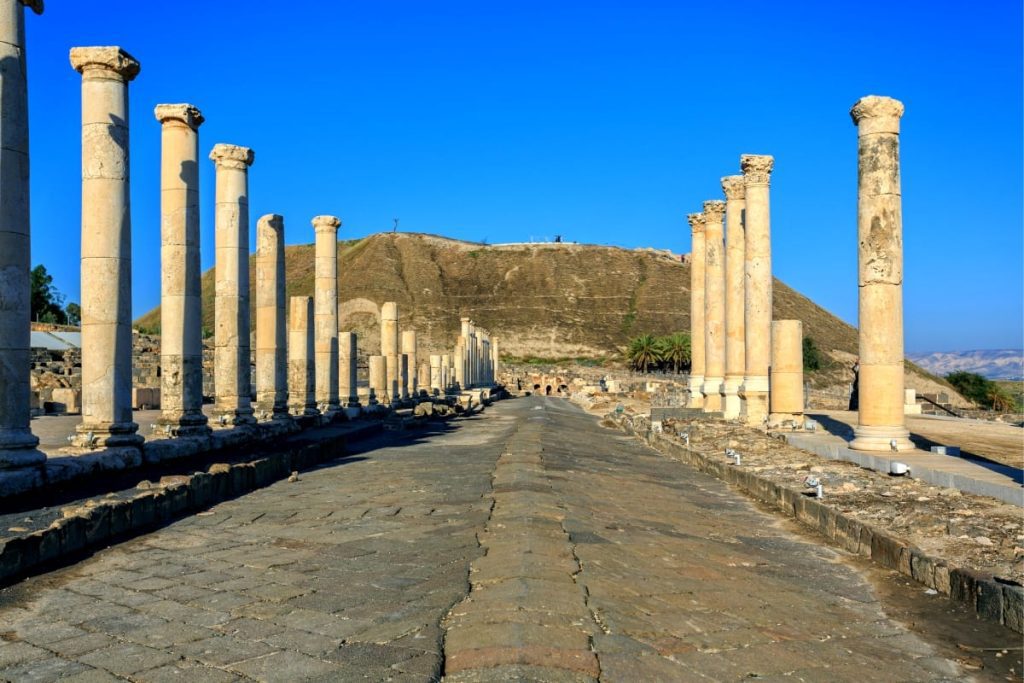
(787, 373)
(301, 378)
(389, 340)
(758, 303)
(880, 421)
(378, 379)
(697, 284)
(735, 356)
(409, 348)
(17, 443)
(106, 248)
(348, 383)
(271, 360)
(714, 305)
(325, 306)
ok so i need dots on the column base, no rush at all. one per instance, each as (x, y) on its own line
(712, 391)
(754, 395)
(107, 435)
(696, 397)
(234, 417)
(183, 425)
(17, 439)
(786, 420)
(303, 410)
(271, 412)
(12, 458)
(881, 439)
(731, 402)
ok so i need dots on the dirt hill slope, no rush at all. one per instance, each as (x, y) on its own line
(551, 301)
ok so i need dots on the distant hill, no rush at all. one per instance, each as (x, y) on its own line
(549, 300)
(992, 364)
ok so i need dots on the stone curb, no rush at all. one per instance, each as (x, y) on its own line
(97, 525)
(990, 598)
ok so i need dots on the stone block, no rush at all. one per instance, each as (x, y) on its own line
(866, 540)
(885, 550)
(97, 524)
(202, 490)
(1013, 607)
(963, 586)
(64, 401)
(263, 472)
(120, 517)
(49, 544)
(145, 398)
(143, 511)
(72, 534)
(942, 582)
(847, 533)
(922, 568)
(989, 596)
(179, 500)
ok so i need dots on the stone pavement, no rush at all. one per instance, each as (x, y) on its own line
(523, 544)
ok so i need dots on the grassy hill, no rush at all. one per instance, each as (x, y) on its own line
(551, 301)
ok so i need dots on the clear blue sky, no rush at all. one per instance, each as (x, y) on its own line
(605, 122)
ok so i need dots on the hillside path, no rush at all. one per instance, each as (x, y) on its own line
(527, 543)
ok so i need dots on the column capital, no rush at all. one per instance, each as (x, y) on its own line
(326, 223)
(232, 156)
(108, 62)
(877, 114)
(696, 222)
(183, 113)
(714, 210)
(34, 5)
(734, 187)
(757, 168)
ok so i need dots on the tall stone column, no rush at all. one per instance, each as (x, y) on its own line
(348, 382)
(787, 373)
(446, 368)
(232, 358)
(106, 248)
(495, 369)
(697, 284)
(735, 344)
(393, 382)
(714, 305)
(17, 442)
(389, 337)
(757, 256)
(301, 378)
(409, 349)
(459, 361)
(435, 373)
(271, 360)
(880, 421)
(325, 307)
(465, 380)
(423, 377)
(378, 379)
(181, 324)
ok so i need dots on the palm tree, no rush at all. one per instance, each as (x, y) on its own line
(675, 349)
(643, 352)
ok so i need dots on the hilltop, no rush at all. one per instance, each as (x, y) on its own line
(548, 300)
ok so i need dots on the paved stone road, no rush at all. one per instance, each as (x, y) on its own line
(588, 555)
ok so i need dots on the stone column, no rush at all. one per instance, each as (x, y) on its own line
(714, 305)
(301, 377)
(271, 361)
(880, 420)
(378, 379)
(465, 378)
(106, 248)
(409, 349)
(459, 361)
(404, 376)
(348, 382)
(232, 359)
(435, 373)
(392, 379)
(758, 291)
(697, 358)
(494, 359)
(181, 324)
(735, 357)
(389, 337)
(325, 305)
(423, 377)
(17, 442)
(787, 373)
(446, 368)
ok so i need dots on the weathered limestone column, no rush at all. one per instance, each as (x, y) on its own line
(735, 357)
(409, 349)
(435, 373)
(17, 442)
(880, 421)
(465, 379)
(325, 306)
(494, 359)
(757, 256)
(459, 361)
(787, 373)
(389, 337)
(348, 383)
(106, 248)
(378, 379)
(181, 333)
(392, 379)
(271, 360)
(714, 305)
(403, 375)
(301, 372)
(697, 358)
(232, 373)
(423, 377)
(446, 368)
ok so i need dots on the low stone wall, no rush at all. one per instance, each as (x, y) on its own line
(990, 598)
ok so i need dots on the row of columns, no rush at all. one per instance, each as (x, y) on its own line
(747, 366)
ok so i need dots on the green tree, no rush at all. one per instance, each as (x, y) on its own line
(674, 350)
(74, 313)
(971, 385)
(812, 355)
(46, 301)
(643, 352)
